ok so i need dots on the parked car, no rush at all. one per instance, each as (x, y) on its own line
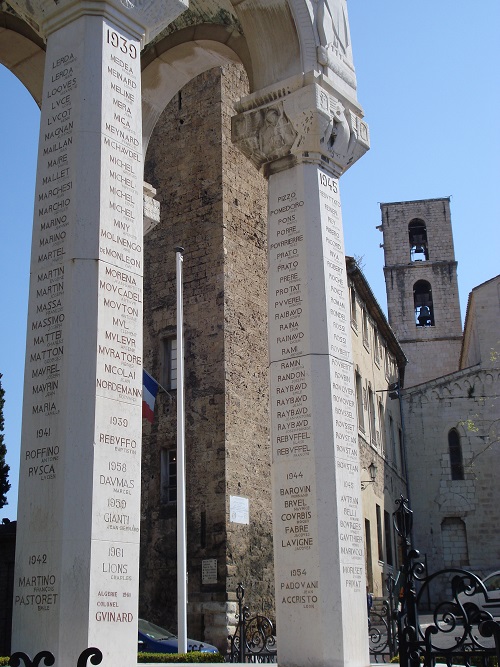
(477, 602)
(153, 639)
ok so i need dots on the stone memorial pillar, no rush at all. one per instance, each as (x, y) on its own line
(305, 139)
(77, 557)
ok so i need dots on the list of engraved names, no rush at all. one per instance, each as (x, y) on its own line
(103, 207)
(313, 405)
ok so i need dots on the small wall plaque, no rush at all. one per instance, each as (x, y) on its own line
(238, 508)
(209, 571)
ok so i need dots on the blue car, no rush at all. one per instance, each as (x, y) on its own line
(153, 639)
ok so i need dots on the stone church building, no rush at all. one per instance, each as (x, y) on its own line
(452, 386)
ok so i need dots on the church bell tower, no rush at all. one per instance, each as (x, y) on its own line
(421, 283)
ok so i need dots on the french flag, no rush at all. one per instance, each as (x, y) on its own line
(149, 391)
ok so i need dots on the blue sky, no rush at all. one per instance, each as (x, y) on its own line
(428, 82)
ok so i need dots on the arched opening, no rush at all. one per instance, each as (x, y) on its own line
(179, 58)
(417, 234)
(22, 51)
(455, 452)
(422, 300)
(213, 203)
(20, 120)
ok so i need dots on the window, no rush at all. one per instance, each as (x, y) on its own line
(455, 450)
(371, 415)
(169, 375)
(379, 533)
(366, 341)
(376, 346)
(381, 426)
(368, 555)
(359, 401)
(388, 364)
(354, 314)
(422, 299)
(392, 440)
(417, 234)
(168, 475)
(388, 538)
(492, 583)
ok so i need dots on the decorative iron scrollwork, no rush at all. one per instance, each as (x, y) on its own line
(19, 658)
(460, 632)
(378, 634)
(93, 653)
(46, 656)
(254, 639)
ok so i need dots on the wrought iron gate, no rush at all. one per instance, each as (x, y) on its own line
(453, 630)
(425, 619)
(254, 639)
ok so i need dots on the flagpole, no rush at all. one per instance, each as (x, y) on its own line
(181, 470)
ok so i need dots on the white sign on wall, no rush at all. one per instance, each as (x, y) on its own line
(209, 571)
(238, 509)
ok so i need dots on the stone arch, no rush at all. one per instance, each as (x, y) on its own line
(280, 39)
(172, 62)
(22, 51)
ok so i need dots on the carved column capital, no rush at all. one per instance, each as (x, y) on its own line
(311, 124)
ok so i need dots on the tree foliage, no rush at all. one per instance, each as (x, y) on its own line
(4, 468)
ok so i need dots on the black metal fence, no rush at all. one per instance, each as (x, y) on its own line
(436, 618)
(46, 658)
(382, 636)
(425, 619)
(254, 639)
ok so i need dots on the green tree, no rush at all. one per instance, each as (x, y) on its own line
(4, 468)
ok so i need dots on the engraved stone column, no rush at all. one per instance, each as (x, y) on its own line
(307, 139)
(77, 558)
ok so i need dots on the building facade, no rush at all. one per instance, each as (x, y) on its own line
(379, 366)
(450, 401)
(453, 447)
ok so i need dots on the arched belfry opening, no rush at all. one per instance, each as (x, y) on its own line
(422, 301)
(417, 233)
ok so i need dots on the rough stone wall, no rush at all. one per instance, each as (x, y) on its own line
(468, 401)
(250, 555)
(431, 351)
(212, 203)
(454, 541)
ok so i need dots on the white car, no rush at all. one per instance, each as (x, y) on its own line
(477, 602)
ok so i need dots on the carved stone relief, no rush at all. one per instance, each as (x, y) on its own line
(334, 50)
(264, 135)
(310, 122)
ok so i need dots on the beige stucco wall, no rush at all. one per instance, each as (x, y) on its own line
(377, 368)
